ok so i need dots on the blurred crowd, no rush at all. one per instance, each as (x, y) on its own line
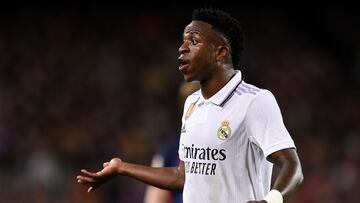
(78, 88)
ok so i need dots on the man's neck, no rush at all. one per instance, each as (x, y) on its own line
(214, 84)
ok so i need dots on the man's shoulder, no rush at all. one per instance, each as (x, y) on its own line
(195, 94)
(250, 93)
(245, 88)
(259, 98)
(192, 98)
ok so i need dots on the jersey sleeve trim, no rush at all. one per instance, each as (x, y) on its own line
(279, 146)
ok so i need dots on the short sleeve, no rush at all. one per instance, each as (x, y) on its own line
(265, 126)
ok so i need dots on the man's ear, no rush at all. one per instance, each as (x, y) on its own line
(222, 53)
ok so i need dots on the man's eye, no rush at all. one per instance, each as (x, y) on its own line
(194, 42)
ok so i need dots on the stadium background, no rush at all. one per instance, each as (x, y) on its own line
(80, 84)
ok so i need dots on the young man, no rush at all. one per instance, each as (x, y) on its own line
(232, 131)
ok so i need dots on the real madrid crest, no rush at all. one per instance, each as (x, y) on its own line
(224, 131)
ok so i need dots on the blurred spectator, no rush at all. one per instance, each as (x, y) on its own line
(168, 156)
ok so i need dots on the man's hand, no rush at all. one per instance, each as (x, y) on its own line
(95, 180)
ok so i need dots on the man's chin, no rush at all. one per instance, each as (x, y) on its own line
(188, 78)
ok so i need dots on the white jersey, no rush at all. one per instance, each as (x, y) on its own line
(225, 141)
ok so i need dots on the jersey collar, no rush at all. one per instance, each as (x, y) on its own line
(225, 93)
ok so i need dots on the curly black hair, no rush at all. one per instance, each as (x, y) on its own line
(227, 25)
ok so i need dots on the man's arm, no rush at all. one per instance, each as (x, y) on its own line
(266, 127)
(290, 175)
(168, 178)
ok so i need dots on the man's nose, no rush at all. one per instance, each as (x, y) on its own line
(183, 48)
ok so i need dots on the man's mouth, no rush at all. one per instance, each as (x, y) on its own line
(183, 64)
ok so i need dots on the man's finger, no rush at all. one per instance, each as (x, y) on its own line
(86, 183)
(86, 179)
(90, 189)
(94, 187)
(90, 174)
(105, 164)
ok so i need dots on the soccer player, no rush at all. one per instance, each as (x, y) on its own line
(232, 132)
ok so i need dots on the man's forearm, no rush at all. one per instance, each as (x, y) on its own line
(289, 179)
(168, 178)
(290, 175)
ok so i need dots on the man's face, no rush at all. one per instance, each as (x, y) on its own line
(198, 51)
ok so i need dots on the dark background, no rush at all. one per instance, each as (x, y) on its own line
(82, 83)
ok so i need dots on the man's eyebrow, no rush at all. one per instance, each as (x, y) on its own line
(192, 32)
